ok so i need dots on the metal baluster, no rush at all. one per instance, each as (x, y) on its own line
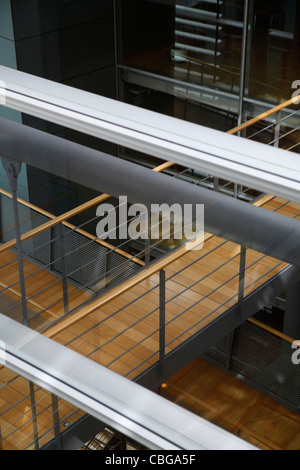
(147, 241)
(1, 440)
(230, 338)
(162, 321)
(216, 183)
(277, 129)
(241, 278)
(55, 416)
(64, 268)
(13, 169)
(34, 417)
(106, 281)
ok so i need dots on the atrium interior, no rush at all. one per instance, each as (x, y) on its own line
(149, 340)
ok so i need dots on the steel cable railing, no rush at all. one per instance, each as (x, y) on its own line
(189, 329)
(153, 355)
(45, 427)
(126, 305)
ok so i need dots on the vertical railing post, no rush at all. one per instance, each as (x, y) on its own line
(51, 248)
(13, 169)
(106, 255)
(64, 268)
(277, 129)
(147, 246)
(34, 417)
(1, 443)
(245, 39)
(147, 238)
(216, 183)
(162, 321)
(55, 416)
(241, 278)
(230, 338)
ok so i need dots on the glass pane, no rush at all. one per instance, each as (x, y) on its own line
(190, 41)
(273, 59)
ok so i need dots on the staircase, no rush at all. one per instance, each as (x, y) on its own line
(197, 31)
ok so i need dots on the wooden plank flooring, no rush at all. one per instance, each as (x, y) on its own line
(123, 334)
(235, 406)
(133, 317)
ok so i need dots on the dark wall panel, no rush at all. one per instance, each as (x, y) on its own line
(70, 42)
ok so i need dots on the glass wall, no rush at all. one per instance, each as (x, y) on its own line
(189, 50)
(210, 54)
(192, 41)
(274, 48)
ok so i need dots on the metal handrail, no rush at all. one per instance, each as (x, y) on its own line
(220, 68)
(264, 115)
(179, 252)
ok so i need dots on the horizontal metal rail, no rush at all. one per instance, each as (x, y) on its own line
(264, 115)
(162, 136)
(160, 425)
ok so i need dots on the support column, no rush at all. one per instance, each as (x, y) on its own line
(55, 416)
(242, 279)
(63, 268)
(162, 321)
(13, 169)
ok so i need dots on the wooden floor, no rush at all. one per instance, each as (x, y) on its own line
(235, 406)
(123, 333)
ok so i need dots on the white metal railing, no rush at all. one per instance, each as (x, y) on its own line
(248, 163)
(151, 420)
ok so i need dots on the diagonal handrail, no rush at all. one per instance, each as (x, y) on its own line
(160, 168)
(150, 270)
(264, 115)
(141, 276)
(158, 265)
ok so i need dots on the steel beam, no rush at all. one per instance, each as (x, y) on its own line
(126, 406)
(214, 152)
(261, 230)
(209, 335)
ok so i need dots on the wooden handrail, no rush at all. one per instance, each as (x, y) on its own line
(235, 425)
(63, 217)
(271, 330)
(132, 282)
(72, 227)
(264, 115)
(145, 273)
(226, 70)
(103, 197)
(120, 289)
(30, 301)
(55, 221)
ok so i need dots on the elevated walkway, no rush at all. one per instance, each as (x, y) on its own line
(146, 327)
(122, 329)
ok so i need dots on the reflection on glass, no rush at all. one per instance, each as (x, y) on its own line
(201, 42)
(191, 41)
(274, 49)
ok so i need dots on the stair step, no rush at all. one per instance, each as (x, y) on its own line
(195, 11)
(200, 50)
(192, 3)
(193, 73)
(196, 24)
(198, 37)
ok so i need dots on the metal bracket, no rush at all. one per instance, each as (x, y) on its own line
(13, 168)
